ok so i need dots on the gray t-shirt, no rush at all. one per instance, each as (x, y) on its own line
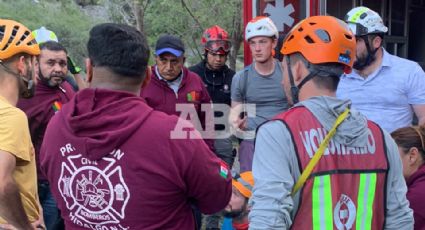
(266, 92)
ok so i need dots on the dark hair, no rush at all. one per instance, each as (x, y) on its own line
(409, 137)
(329, 79)
(121, 48)
(52, 46)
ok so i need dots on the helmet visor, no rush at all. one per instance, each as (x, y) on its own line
(216, 46)
(357, 29)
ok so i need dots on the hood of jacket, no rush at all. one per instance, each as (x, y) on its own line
(103, 119)
(351, 132)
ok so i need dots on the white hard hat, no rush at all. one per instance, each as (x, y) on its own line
(261, 26)
(363, 21)
(43, 35)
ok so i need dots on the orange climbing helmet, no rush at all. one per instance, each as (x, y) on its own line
(322, 39)
(244, 183)
(16, 38)
(216, 39)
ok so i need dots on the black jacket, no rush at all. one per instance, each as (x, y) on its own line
(218, 83)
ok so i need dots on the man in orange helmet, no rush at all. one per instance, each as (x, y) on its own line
(238, 207)
(19, 206)
(345, 169)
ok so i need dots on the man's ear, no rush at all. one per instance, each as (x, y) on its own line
(147, 79)
(298, 71)
(377, 42)
(89, 70)
(21, 65)
(274, 43)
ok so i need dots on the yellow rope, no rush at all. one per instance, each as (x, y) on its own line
(318, 154)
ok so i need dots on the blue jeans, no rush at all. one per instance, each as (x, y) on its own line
(51, 214)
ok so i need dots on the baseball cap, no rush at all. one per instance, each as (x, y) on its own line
(169, 44)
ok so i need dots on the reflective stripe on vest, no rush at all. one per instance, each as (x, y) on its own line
(322, 202)
(365, 200)
(346, 189)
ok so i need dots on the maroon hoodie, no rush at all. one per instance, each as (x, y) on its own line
(415, 195)
(40, 109)
(192, 90)
(112, 165)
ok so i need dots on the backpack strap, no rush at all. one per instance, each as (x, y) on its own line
(244, 84)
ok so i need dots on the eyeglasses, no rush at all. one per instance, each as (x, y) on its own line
(215, 46)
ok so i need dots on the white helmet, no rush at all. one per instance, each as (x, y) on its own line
(363, 21)
(42, 35)
(261, 26)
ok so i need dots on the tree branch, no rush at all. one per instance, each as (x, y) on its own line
(146, 4)
(191, 14)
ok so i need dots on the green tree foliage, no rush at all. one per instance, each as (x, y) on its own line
(64, 17)
(189, 18)
(72, 20)
(184, 18)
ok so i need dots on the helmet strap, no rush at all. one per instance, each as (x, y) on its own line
(368, 47)
(370, 53)
(27, 83)
(307, 78)
(295, 89)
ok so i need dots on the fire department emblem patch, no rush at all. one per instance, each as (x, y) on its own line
(344, 213)
(96, 196)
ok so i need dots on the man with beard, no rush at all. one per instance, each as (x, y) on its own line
(386, 88)
(238, 208)
(77, 82)
(19, 205)
(257, 84)
(50, 94)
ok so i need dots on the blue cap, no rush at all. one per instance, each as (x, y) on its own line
(169, 44)
(175, 52)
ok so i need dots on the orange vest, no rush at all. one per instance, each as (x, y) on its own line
(347, 188)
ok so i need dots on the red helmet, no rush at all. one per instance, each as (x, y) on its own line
(216, 39)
